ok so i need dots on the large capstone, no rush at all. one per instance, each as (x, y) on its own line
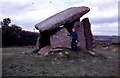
(81, 37)
(60, 39)
(67, 16)
(88, 33)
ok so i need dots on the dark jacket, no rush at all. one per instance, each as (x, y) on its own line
(74, 35)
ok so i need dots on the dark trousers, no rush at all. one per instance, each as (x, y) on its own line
(74, 45)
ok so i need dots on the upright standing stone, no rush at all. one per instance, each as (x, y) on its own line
(44, 39)
(38, 43)
(88, 33)
(60, 39)
(81, 38)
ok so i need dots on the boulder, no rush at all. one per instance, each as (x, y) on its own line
(66, 16)
(81, 38)
(88, 33)
(45, 50)
(60, 39)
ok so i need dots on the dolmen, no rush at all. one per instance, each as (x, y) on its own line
(54, 30)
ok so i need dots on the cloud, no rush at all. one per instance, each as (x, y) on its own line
(105, 29)
(27, 13)
(10, 8)
(104, 20)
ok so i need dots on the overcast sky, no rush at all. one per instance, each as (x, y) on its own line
(26, 13)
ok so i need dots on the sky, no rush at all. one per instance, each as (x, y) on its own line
(103, 14)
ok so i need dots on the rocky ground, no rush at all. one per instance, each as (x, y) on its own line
(18, 61)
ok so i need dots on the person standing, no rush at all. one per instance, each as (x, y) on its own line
(74, 36)
(74, 39)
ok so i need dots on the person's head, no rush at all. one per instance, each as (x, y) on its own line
(73, 29)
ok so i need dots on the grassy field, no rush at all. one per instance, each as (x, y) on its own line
(18, 61)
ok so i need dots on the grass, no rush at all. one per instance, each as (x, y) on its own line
(16, 62)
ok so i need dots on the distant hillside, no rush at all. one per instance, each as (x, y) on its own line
(106, 39)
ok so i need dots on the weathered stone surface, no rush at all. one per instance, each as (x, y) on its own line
(38, 43)
(88, 33)
(45, 50)
(66, 16)
(60, 39)
(81, 38)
